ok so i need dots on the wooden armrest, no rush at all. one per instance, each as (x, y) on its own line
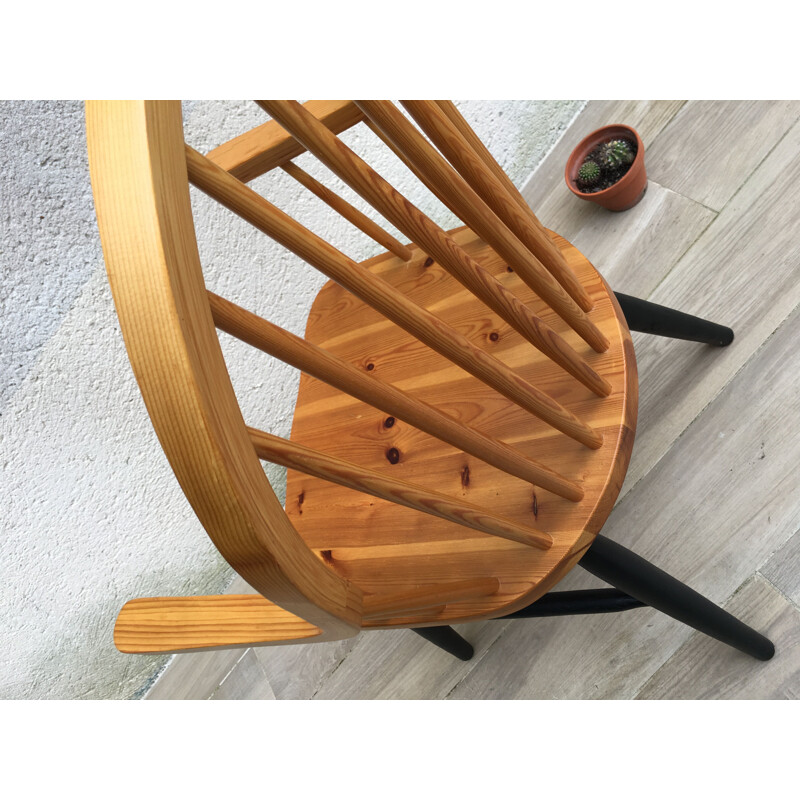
(213, 622)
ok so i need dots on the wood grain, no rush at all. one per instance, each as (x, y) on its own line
(636, 250)
(385, 548)
(418, 227)
(183, 624)
(449, 131)
(709, 513)
(141, 191)
(386, 606)
(407, 574)
(421, 323)
(446, 183)
(345, 473)
(403, 139)
(363, 384)
(268, 146)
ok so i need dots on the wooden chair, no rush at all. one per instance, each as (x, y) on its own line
(467, 404)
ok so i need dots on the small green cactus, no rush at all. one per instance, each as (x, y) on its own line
(616, 153)
(589, 173)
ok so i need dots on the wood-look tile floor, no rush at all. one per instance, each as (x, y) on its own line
(713, 491)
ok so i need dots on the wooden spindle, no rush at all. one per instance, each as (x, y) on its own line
(406, 217)
(268, 146)
(349, 212)
(382, 296)
(452, 134)
(434, 171)
(552, 345)
(385, 605)
(321, 465)
(335, 371)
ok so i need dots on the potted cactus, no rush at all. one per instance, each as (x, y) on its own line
(607, 168)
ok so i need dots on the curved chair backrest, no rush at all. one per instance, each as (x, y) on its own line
(141, 170)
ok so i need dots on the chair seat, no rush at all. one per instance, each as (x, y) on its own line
(385, 548)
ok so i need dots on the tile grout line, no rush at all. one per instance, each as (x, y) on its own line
(229, 673)
(688, 248)
(691, 632)
(668, 124)
(758, 573)
(725, 205)
(750, 174)
(477, 661)
(330, 673)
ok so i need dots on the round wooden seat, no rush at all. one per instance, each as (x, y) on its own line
(385, 548)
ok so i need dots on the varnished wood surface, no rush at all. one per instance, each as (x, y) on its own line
(268, 146)
(188, 624)
(400, 604)
(384, 548)
(457, 194)
(360, 381)
(450, 133)
(396, 306)
(552, 257)
(352, 476)
(165, 313)
(141, 192)
(421, 229)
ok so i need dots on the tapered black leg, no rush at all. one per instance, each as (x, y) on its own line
(662, 321)
(445, 637)
(630, 573)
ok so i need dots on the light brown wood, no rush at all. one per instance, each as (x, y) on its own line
(406, 217)
(457, 194)
(393, 605)
(385, 548)
(345, 473)
(422, 324)
(268, 146)
(386, 121)
(188, 624)
(452, 134)
(337, 560)
(141, 191)
(349, 212)
(363, 384)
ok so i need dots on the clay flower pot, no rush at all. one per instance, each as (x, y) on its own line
(629, 189)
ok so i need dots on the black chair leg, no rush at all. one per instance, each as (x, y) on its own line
(637, 577)
(445, 637)
(662, 321)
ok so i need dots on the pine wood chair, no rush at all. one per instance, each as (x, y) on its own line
(467, 404)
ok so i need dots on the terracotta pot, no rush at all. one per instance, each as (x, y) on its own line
(629, 189)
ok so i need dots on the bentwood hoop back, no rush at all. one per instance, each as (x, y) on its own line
(467, 403)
